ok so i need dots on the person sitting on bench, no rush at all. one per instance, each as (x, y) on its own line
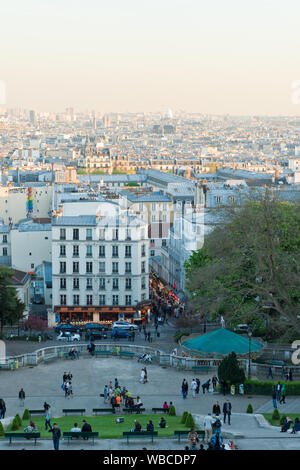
(86, 428)
(137, 426)
(162, 424)
(286, 425)
(150, 426)
(75, 429)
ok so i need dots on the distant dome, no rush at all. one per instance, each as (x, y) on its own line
(168, 114)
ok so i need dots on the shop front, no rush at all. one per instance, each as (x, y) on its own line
(79, 316)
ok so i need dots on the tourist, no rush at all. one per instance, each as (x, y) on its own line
(105, 393)
(193, 438)
(270, 375)
(216, 409)
(137, 427)
(193, 387)
(227, 411)
(150, 426)
(142, 379)
(274, 398)
(206, 386)
(31, 427)
(86, 427)
(162, 424)
(47, 419)
(116, 383)
(198, 386)
(145, 375)
(2, 408)
(278, 391)
(208, 421)
(166, 407)
(118, 402)
(56, 434)
(46, 406)
(138, 403)
(286, 424)
(296, 427)
(216, 441)
(21, 397)
(75, 428)
(214, 381)
(291, 375)
(184, 388)
(282, 394)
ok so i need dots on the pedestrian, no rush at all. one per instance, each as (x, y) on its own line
(21, 397)
(282, 395)
(216, 409)
(214, 381)
(278, 391)
(145, 334)
(105, 394)
(46, 406)
(142, 379)
(198, 386)
(2, 408)
(270, 375)
(116, 383)
(146, 375)
(208, 421)
(227, 411)
(184, 388)
(193, 387)
(291, 375)
(56, 434)
(274, 398)
(47, 419)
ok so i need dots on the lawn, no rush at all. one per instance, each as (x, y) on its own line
(106, 425)
(276, 422)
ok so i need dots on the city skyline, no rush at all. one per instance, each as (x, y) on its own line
(134, 57)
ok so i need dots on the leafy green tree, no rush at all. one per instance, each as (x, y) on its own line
(172, 411)
(230, 371)
(249, 409)
(11, 308)
(275, 415)
(184, 416)
(190, 421)
(249, 268)
(26, 414)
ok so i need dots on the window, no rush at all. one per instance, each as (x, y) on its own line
(164, 218)
(89, 267)
(89, 235)
(127, 267)
(101, 251)
(143, 267)
(75, 283)
(143, 283)
(62, 267)
(115, 251)
(128, 234)
(4, 251)
(75, 233)
(142, 234)
(76, 299)
(102, 234)
(143, 297)
(62, 250)
(164, 206)
(101, 267)
(75, 251)
(102, 283)
(115, 234)
(63, 283)
(152, 253)
(115, 300)
(89, 300)
(75, 267)
(153, 218)
(4, 239)
(101, 299)
(115, 267)
(128, 251)
(143, 250)
(62, 235)
(89, 251)
(164, 242)
(127, 299)
(128, 283)
(89, 283)
(153, 206)
(63, 300)
(115, 283)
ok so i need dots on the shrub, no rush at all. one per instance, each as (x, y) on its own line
(15, 424)
(18, 418)
(2, 431)
(26, 414)
(266, 387)
(183, 418)
(275, 415)
(190, 421)
(172, 411)
(249, 409)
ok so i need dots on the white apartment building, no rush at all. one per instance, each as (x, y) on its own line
(99, 266)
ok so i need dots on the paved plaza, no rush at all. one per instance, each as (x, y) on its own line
(90, 374)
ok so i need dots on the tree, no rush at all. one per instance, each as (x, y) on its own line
(11, 308)
(172, 411)
(33, 322)
(230, 371)
(249, 268)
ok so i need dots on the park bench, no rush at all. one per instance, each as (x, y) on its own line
(22, 435)
(36, 412)
(129, 435)
(50, 358)
(101, 353)
(161, 410)
(201, 368)
(78, 435)
(104, 410)
(137, 410)
(74, 410)
(179, 434)
(126, 354)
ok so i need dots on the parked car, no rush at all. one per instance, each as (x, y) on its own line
(68, 327)
(92, 334)
(67, 336)
(241, 328)
(124, 325)
(95, 326)
(120, 333)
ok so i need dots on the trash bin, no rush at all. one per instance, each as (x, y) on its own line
(12, 365)
(16, 365)
(232, 389)
(241, 389)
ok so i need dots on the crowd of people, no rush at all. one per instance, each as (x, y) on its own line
(67, 386)
(195, 386)
(117, 395)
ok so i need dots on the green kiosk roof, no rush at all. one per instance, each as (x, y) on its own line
(221, 342)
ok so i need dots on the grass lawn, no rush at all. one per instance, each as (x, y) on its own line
(276, 422)
(106, 425)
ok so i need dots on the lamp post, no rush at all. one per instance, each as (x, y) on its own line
(249, 365)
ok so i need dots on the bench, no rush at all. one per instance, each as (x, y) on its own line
(201, 368)
(104, 410)
(161, 410)
(151, 434)
(50, 358)
(74, 410)
(126, 354)
(201, 434)
(22, 435)
(101, 353)
(37, 412)
(78, 435)
(134, 409)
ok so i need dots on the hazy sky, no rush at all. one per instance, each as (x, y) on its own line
(213, 56)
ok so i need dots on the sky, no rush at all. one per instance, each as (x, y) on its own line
(213, 56)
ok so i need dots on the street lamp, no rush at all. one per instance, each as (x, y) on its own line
(250, 331)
